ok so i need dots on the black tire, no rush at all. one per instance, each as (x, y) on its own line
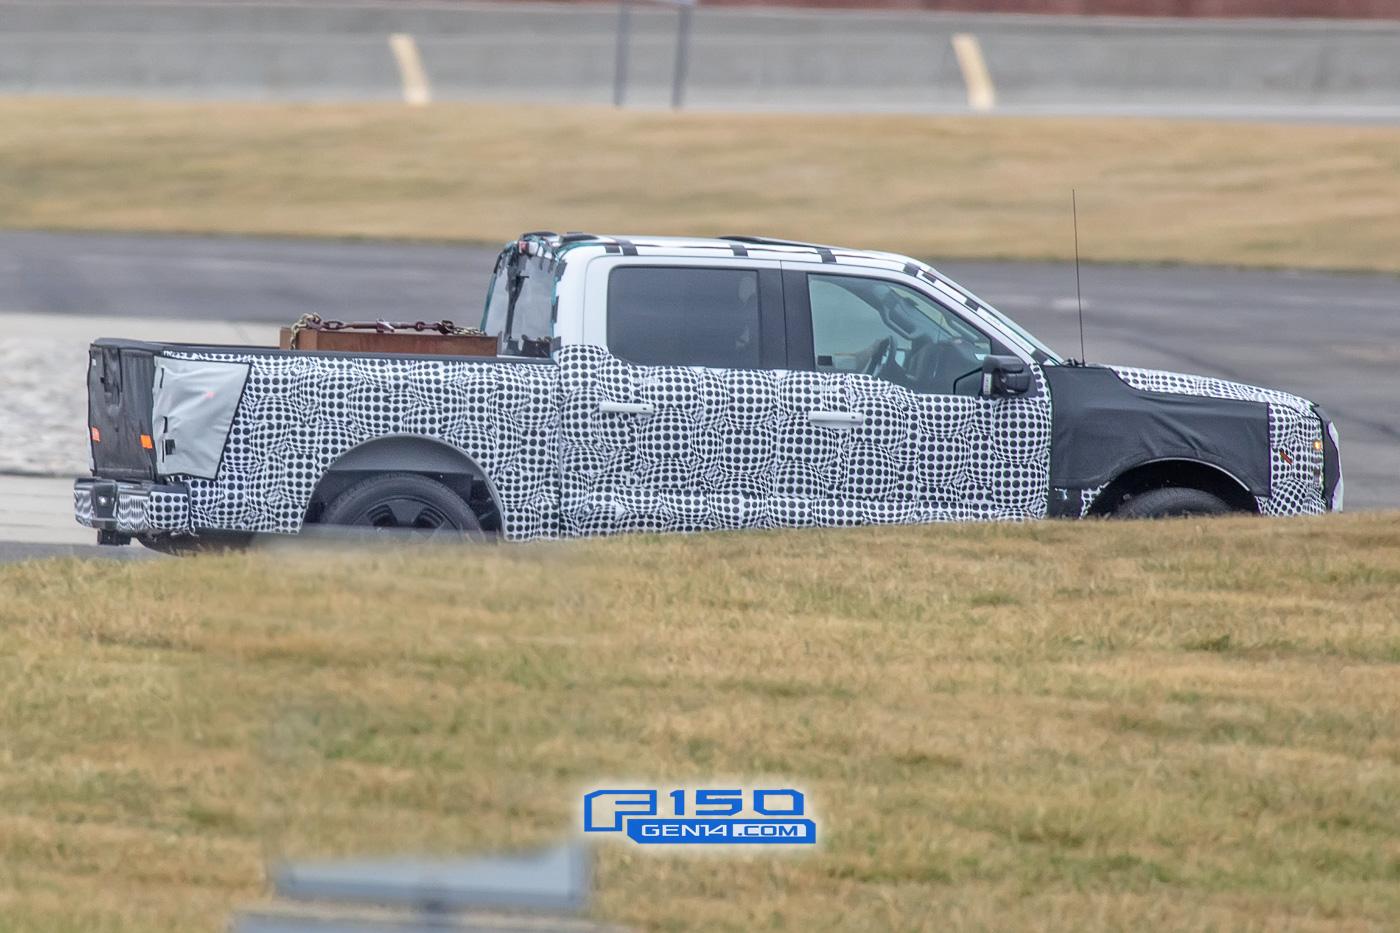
(404, 502)
(1172, 502)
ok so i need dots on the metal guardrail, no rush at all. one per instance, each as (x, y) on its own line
(684, 11)
(540, 892)
(657, 53)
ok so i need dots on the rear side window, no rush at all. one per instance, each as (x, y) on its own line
(684, 316)
(520, 303)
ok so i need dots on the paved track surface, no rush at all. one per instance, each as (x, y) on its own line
(14, 551)
(1334, 338)
(740, 58)
(36, 520)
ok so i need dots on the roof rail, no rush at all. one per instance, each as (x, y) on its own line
(769, 241)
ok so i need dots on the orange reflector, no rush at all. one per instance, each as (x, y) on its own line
(96, 436)
(147, 443)
(1317, 445)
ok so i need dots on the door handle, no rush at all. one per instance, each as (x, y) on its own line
(836, 419)
(628, 408)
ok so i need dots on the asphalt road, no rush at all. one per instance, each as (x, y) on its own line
(1334, 338)
(14, 551)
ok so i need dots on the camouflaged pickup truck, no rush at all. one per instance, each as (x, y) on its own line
(661, 384)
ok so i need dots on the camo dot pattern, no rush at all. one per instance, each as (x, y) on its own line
(1295, 465)
(1295, 488)
(1088, 497)
(736, 449)
(721, 449)
(718, 449)
(300, 413)
(139, 510)
(167, 510)
(82, 506)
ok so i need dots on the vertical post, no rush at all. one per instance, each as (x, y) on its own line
(624, 39)
(682, 53)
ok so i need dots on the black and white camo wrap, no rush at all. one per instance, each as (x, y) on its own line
(82, 506)
(719, 449)
(1295, 465)
(139, 509)
(300, 413)
(735, 449)
(723, 449)
(1088, 497)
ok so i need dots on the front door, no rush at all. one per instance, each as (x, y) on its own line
(893, 427)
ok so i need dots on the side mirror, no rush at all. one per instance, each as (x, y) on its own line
(1005, 375)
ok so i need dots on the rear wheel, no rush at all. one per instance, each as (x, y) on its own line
(404, 502)
(1172, 502)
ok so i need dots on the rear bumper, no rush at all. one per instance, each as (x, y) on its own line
(131, 508)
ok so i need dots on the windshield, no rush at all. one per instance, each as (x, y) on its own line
(1043, 353)
(1035, 342)
(520, 303)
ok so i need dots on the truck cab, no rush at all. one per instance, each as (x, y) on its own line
(668, 384)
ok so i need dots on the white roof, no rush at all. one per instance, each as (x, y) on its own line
(758, 247)
(769, 248)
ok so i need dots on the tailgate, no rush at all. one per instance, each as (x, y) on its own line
(120, 376)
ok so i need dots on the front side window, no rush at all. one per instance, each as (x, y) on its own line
(684, 316)
(893, 332)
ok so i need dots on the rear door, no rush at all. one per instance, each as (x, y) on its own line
(670, 405)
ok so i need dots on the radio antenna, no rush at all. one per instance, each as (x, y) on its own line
(1078, 288)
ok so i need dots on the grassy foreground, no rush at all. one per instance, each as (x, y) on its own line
(1305, 196)
(1185, 725)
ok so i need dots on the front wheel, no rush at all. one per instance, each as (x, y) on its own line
(404, 502)
(1172, 502)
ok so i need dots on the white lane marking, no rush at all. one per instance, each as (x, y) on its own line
(981, 95)
(1069, 305)
(416, 90)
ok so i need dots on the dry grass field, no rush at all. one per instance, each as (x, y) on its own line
(1104, 726)
(1155, 191)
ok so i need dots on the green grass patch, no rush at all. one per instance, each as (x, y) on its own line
(1044, 726)
(1149, 190)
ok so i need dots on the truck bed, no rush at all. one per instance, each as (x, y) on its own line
(248, 431)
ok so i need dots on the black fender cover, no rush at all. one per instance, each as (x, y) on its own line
(1101, 426)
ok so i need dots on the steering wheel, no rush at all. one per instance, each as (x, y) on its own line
(884, 347)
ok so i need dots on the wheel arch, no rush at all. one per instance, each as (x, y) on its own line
(1179, 472)
(412, 453)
